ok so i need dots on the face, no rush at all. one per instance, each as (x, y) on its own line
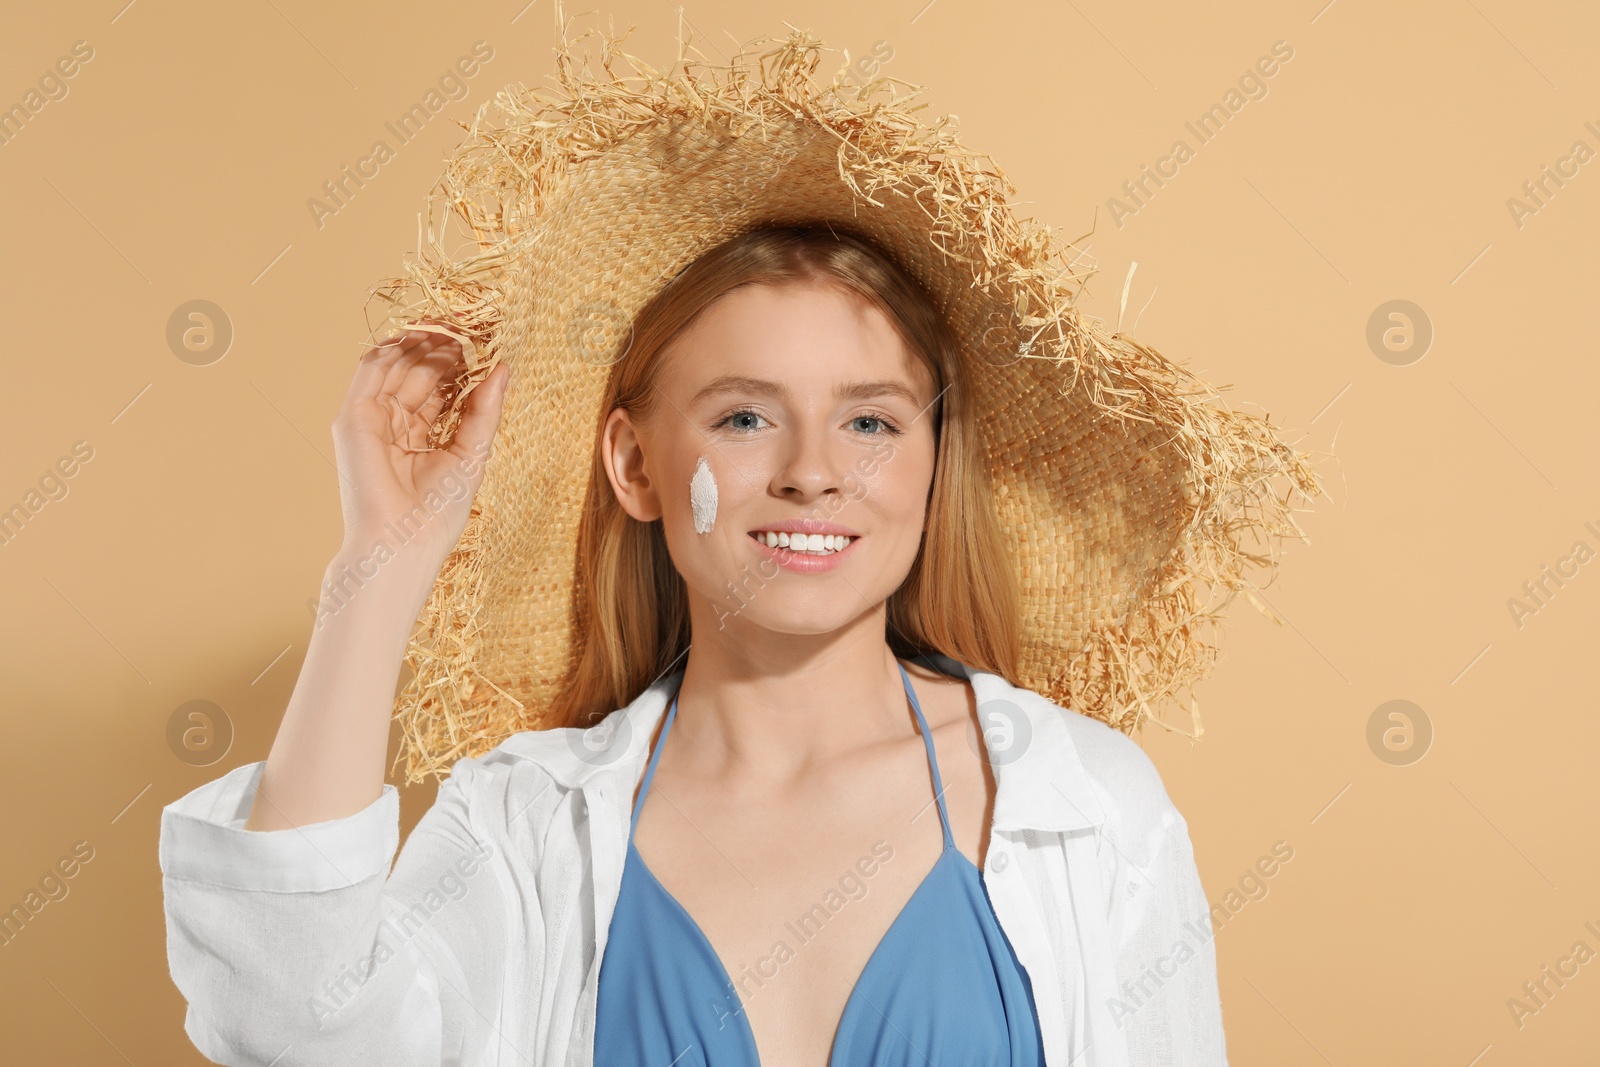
(808, 412)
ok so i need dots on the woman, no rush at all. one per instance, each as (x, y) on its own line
(816, 823)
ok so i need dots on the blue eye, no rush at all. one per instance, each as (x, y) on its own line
(884, 424)
(740, 414)
(888, 426)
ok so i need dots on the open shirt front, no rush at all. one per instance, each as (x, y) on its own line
(482, 946)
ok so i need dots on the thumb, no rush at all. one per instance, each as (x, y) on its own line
(480, 418)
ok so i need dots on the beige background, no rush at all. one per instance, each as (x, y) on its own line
(1378, 166)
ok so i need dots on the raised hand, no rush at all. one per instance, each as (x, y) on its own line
(394, 486)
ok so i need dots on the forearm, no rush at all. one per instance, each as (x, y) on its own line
(327, 760)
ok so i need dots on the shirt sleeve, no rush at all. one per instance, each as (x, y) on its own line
(1168, 1007)
(300, 946)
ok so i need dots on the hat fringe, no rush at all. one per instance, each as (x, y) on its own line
(492, 184)
(1171, 640)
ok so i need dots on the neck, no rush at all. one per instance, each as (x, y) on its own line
(770, 708)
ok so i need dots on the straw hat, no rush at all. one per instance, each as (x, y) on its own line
(1127, 488)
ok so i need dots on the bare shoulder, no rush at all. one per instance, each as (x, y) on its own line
(950, 705)
(945, 699)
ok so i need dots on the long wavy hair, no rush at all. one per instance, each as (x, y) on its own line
(630, 605)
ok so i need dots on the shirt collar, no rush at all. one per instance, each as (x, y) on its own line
(1040, 783)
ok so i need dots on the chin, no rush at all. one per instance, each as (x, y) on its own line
(800, 623)
(776, 612)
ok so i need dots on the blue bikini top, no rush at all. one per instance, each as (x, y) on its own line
(943, 986)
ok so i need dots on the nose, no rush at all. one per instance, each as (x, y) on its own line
(812, 464)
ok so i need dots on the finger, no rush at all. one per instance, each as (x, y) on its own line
(386, 370)
(427, 375)
(434, 405)
(416, 350)
(399, 340)
(480, 417)
(373, 371)
(429, 378)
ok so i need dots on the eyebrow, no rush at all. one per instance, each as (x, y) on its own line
(738, 383)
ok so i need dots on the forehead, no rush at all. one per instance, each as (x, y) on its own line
(801, 331)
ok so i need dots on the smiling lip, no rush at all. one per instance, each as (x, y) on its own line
(807, 526)
(802, 562)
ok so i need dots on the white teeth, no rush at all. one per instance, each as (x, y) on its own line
(812, 544)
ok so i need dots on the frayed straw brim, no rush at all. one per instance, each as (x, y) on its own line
(1131, 494)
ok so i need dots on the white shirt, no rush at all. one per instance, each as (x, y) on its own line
(483, 945)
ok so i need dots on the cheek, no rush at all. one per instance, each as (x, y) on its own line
(703, 497)
(896, 486)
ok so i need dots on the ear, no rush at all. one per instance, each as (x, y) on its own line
(622, 455)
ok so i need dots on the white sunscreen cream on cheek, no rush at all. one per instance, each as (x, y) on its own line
(703, 497)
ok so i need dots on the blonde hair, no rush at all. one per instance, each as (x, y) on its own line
(630, 607)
